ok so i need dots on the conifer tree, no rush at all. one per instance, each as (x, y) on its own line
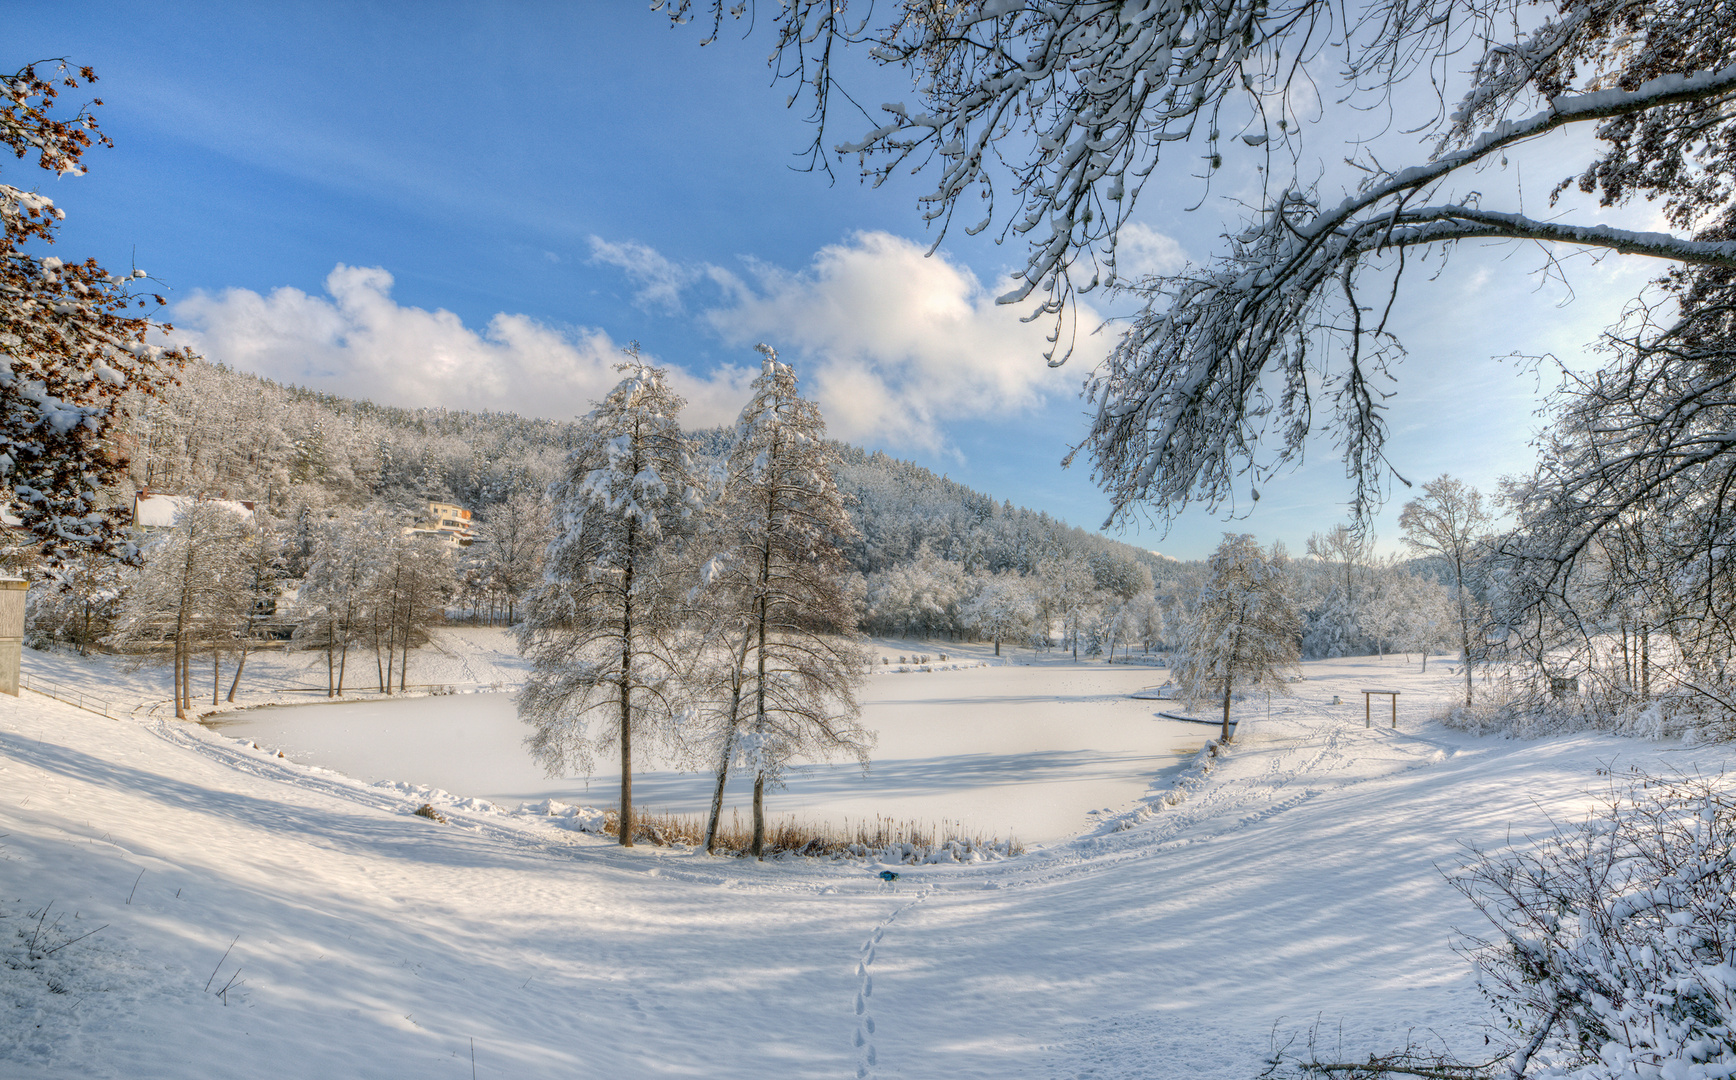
(603, 630)
(779, 584)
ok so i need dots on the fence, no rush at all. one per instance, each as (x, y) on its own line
(114, 710)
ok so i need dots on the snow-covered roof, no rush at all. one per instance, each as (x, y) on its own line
(154, 511)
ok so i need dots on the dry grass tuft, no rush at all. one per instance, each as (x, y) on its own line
(903, 841)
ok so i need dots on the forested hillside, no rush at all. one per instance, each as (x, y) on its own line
(291, 449)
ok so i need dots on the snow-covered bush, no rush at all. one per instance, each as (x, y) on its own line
(1614, 945)
(1514, 711)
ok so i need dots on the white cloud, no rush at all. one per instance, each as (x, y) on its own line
(893, 345)
(357, 341)
(1142, 250)
(661, 281)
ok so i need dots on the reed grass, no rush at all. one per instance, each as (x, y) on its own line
(914, 840)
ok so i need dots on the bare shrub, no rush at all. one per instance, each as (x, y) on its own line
(1508, 708)
(1614, 944)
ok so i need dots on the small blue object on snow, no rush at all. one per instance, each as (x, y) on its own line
(888, 876)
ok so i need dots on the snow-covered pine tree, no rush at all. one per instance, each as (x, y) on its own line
(1243, 630)
(788, 617)
(603, 630)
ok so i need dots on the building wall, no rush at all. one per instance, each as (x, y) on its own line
(11, 633)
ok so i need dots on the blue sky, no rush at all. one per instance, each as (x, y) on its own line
(475, 205)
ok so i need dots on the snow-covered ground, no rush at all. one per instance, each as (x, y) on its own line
(467, 659)
(1296, 882)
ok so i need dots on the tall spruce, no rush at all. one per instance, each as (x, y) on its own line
(778, 588)
(604, 630)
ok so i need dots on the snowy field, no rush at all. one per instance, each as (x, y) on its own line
(1296, 882)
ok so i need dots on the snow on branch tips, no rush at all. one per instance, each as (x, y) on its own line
(72, 342)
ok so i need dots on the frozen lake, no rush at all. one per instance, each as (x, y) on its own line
(1026, 750)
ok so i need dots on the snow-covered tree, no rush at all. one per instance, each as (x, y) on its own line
(1067, 590)
(334, 594)
(1451, 524)
(191, 594)
(261, 563)
(513, 538)
(1402, 610)
(1003, 609)
(1334, 618)
(603, 630)
(1242, 630)
(76, 601)
(1149, 627)
(920, 597)
(71, 340)
(777, 588)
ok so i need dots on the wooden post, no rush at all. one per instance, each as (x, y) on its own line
(1368, 706)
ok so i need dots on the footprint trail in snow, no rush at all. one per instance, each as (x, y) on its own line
(866, 1056)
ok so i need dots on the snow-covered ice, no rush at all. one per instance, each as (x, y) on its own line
(1019, 750)
(1296, 882)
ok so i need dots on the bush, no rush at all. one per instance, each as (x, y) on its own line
(1509, 710)
(1614, 952)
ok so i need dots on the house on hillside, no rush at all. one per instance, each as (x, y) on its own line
(446, 521)
(154, 510)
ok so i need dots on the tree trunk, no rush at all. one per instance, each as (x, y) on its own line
(216, 676)
(1645, 664)
(239, 666)
(1225, 736)
(723, 768)
(759, 812)
(409, 621)
(180, 713)
(1465, 640)
(997, 646)
(625, 835)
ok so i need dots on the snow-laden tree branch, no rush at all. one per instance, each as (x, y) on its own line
(1188, 392)
(1055, 116)
(71, 340)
